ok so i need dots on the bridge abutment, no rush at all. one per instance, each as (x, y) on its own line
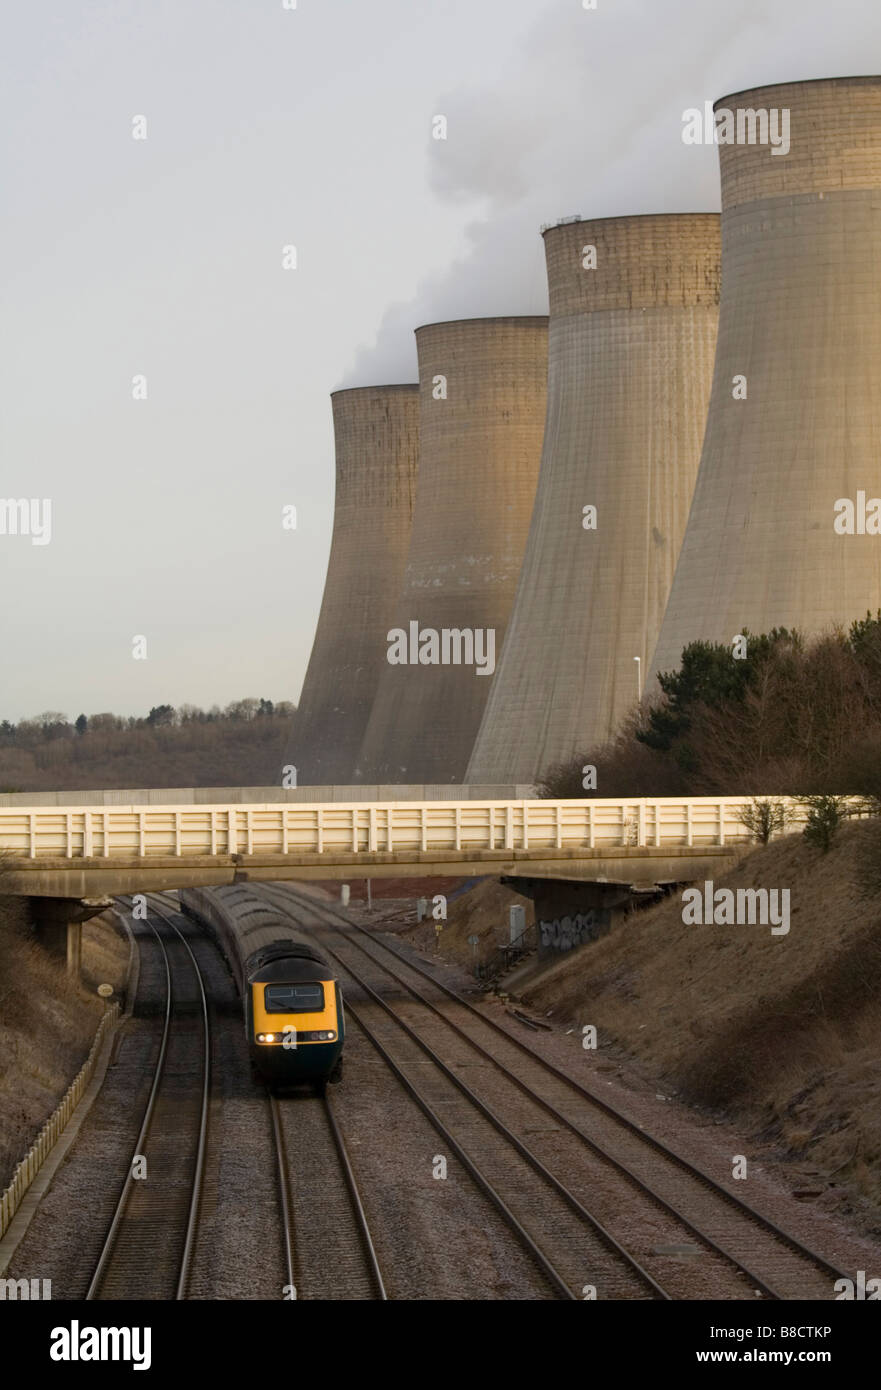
(571, 912)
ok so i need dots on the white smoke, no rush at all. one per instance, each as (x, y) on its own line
(587, 119)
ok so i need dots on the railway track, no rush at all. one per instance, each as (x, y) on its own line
(326, 1244)
(767, 1258)
(328, 1248)
(572, 1250)
(148, 1249)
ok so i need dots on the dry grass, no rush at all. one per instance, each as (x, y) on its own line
(781, 1031)
(480, 912)
(47, 1022)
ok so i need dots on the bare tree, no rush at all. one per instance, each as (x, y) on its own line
(764, 817)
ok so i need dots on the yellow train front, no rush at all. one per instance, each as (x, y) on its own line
(294, 1019)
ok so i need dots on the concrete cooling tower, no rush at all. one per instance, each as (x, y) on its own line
(482, 392)
(633, 317)
(376, 429)
(794, 425)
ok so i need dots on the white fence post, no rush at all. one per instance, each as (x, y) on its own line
(36, 1155)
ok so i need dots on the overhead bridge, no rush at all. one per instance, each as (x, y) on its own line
(88, 851)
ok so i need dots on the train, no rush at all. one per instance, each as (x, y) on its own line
(294, 1019)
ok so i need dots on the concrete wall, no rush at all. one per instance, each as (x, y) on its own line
(376, 429)
(569, 913)
(630, 354)
(801, 319)
(479, 457)
(261, 796)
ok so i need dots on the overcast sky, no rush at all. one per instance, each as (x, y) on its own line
(311, 127)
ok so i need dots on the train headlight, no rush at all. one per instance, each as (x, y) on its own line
(270, 1037)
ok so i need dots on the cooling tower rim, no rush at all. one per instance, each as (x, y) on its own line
(392, 386)
(490, 319)
(629, 217)
(795, 82)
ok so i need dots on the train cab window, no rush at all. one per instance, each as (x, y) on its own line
(305, 998)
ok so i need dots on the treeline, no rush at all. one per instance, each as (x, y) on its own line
(789, 716)
(244, 744)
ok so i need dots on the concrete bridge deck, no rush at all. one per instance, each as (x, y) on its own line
(86, 850)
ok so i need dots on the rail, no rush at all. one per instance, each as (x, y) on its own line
(129, 1240)
(336, 919)
(329, 828)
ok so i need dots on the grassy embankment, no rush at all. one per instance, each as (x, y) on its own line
(47, 1022)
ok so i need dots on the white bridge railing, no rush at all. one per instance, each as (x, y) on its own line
(112, 832)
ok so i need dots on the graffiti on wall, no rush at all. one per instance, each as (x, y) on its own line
(562, 933)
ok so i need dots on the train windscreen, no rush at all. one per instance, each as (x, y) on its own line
(307, 997)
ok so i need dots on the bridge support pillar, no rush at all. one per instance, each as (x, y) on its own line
(74, 948)
(58, 923)
(49, 917)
